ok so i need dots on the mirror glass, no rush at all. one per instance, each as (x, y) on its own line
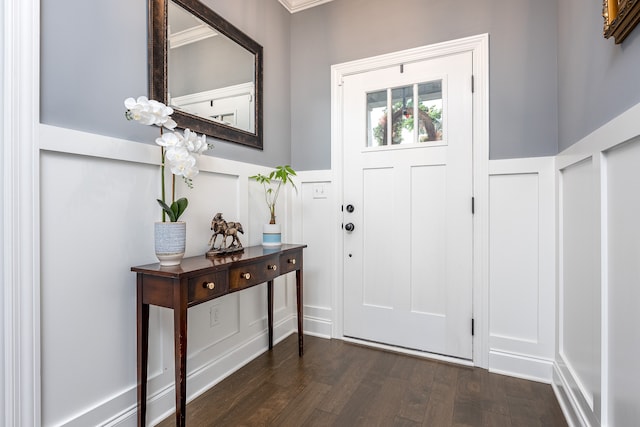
(207, 70)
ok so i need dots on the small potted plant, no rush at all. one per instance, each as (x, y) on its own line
(272, 184)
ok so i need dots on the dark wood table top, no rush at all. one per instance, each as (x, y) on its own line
(197, 264)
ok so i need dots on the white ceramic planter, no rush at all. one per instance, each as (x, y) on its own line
(271, 235)
(170, 242)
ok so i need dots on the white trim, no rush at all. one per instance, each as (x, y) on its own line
(573, 413)
(604, 290)
(21, 247)
(190, 35)
(479, 46)
(521, 366)
(294, 6)
(215, 94)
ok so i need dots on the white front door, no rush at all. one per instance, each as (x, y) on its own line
(407, 141)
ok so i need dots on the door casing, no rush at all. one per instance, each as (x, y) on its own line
(479, 47)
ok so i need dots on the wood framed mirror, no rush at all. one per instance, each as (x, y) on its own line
(207, 70)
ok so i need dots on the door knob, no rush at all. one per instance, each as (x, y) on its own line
(349, 226)
(350, 208)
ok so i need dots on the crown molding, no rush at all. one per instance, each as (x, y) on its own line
(294, 6)
(191, 35)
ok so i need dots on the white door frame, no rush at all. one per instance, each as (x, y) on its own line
(479, 47)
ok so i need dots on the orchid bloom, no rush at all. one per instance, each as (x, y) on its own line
(181, 162)
(170, 140)
(194, 143)
(149, 112)
(179, 150)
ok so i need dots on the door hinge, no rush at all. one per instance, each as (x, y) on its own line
(401, 68)
(472, 84)
(473, 205)
(472, 327)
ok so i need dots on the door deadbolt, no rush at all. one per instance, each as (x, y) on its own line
(350, 208)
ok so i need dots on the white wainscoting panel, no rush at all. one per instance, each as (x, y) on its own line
(579, 281)
(97, 208)
(315, 223)
(623, 282)
(522, 267)
(596, 371)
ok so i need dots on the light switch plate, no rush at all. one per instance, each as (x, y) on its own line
(319, 190)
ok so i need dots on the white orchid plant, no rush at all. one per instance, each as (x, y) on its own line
(179, 150)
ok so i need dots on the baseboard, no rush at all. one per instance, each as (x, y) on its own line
(317, 321)
(570, 406)
(162, 404)
(521, 366)
(317, 327)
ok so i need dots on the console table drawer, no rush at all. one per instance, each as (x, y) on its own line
(207, 286)
(254, 273)
(291, 262)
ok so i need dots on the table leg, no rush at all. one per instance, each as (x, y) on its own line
(142, 334)
(180, 350)
(299, 304)
(270, 311)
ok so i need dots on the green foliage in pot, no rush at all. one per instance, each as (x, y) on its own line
(176, 209)
(272, 184)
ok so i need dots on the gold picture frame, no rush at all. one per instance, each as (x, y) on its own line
(620, 17)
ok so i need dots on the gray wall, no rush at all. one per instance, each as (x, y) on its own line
(523, 66)
(94, 55)
(598, 80)
(550, 84)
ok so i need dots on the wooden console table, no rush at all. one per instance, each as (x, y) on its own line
(199, 279)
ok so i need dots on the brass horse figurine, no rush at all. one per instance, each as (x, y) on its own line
(225, 229)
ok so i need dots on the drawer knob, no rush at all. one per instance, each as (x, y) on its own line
(292, 261)
(246, 276)
(209, 285)
(272, 267)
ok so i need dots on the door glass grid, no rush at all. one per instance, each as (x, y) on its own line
(391, 114)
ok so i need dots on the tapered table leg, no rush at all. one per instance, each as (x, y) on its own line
(180, 350)
(270, 311)
(142, 335)
(299, 302)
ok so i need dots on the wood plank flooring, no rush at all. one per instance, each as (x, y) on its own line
(340, 384)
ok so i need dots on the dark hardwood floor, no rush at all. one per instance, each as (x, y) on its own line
(340, 384)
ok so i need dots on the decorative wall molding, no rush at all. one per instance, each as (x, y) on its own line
(522, 267)
(20, 214)
(596, 186)
(126, 172)
(294, 6)
(312, 205)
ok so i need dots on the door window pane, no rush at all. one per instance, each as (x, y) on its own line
(402, 115)
(376, 118)
(430, 111)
